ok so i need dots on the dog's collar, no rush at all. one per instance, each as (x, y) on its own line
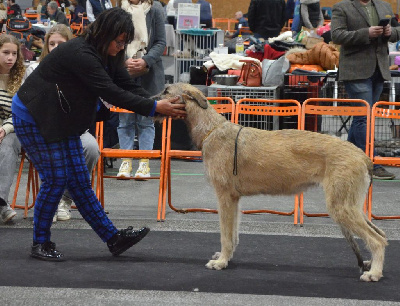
(209, 133)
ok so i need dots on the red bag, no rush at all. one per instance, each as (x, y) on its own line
(250, 74)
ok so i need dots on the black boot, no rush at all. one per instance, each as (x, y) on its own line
(125, 238)
(46, 251)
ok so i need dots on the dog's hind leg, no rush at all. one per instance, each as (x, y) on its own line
(363, 265)
(229, 223)
(351, 217)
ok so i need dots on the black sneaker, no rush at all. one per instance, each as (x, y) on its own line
(381, 174)
(46, 251)
(126, 238)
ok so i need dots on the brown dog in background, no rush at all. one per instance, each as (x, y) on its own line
(283, 162)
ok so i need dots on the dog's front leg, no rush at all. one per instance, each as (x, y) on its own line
(229, 223)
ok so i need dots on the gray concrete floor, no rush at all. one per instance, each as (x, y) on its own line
(135, 203)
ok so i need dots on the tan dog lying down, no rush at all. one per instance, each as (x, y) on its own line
(281, 162)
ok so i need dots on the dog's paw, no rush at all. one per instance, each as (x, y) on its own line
(216, 264)
(216, 255)
(370, 277)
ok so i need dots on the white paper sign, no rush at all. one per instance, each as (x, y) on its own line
(188, 16)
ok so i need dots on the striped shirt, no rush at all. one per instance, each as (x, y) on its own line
(5, 105)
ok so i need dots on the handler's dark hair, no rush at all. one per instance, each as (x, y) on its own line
(107, 27)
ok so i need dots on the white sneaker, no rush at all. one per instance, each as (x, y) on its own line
(126, 168)
(6, 213)
(64, 210)
(144, 170)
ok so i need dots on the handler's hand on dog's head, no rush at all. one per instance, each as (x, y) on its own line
(171, 107)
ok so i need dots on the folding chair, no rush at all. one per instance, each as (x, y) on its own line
(32, 184)
(327, 114)
(266, 114)
(224, 106)
(245, 31)
(221, 23)
(77, 28)
(31, 16)
(137, 154)
(383, 112)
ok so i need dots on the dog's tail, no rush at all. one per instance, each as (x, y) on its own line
(375, 228)
(354, 246)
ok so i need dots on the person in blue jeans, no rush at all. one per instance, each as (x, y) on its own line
(145, 65)
(57, 102)
(363, 61)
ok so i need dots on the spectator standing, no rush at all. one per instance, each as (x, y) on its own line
(148, 19)
(13, 9)
(266, 17)
(311, 14)
(11, 73)
(95, 7)
(363, 61)
(242, 22)
(205, 13)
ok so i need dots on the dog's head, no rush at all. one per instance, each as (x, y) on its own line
(187, 93)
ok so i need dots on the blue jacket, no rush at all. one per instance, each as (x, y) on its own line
(243, 21)
(98, 6)
(205, 12)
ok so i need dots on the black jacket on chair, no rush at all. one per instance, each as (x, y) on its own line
(77, 70)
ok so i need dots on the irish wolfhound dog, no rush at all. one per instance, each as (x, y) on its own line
(281, 162)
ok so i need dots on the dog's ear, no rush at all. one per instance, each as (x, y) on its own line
(198, 98)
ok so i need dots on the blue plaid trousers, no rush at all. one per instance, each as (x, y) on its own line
(60, 165)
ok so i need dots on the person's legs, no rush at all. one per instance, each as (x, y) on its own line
(126, 135)
(62, 164)
(9, 150)
(80, 189)
(126, 130)
(360, 89)
(89, 206)
(91, 153)
(370, 91)
(49, 160)
(146, 134)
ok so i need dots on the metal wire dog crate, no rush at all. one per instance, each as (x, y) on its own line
(243, 92)
(192, 47)
(387, 137)
(301, 87)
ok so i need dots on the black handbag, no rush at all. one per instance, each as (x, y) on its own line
(279, 45)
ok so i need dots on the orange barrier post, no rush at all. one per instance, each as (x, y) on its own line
(337, 114)
(137, 154)
(224, 106)
(32, 184)
(383, 111)
(260, 113)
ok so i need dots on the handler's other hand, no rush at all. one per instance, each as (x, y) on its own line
(375, 31)
(387, 31)
(171, 107)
